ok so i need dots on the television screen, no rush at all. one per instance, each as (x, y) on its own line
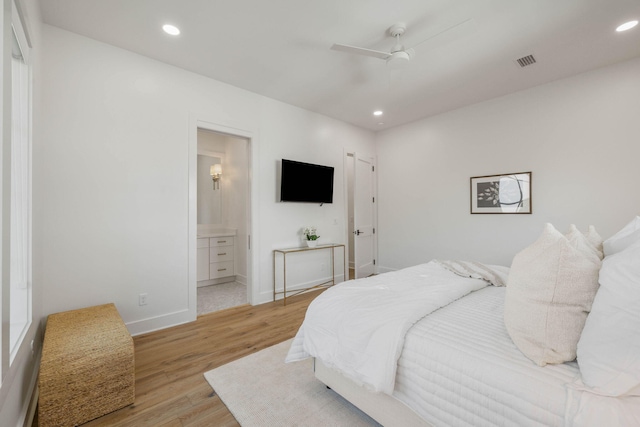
(306, 182)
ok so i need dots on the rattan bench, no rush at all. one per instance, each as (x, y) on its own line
(87, 367)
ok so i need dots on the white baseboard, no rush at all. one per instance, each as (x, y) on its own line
(237, 278)
(241, 279)
(29, 407)
(164, 321)
(219, 281)
(33, 406)
(382, 269)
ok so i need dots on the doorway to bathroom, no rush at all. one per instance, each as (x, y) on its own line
(222, 207)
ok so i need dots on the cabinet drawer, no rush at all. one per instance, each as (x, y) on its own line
(220, 241)
(221, 269)
(221, 253)
(203, 243)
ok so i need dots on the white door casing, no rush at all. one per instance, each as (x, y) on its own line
(364, 215)
(196, 121)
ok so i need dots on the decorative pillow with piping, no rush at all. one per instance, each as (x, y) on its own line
(550, 290)
(609, 348)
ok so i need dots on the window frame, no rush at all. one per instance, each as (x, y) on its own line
(13, 31)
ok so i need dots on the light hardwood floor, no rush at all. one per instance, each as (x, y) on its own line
(170, 387)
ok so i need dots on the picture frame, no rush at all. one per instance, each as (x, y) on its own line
(501, 194)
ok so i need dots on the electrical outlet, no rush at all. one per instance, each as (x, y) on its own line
(142, 299)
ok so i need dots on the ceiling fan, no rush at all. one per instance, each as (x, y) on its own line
(398, 56)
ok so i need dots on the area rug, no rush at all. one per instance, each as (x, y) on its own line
(261, 390)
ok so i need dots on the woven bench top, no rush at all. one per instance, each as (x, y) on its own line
(83, 331)
(87, 368)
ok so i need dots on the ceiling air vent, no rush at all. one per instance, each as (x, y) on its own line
(526, 60)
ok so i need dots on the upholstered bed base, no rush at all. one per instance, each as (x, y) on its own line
(383, 408)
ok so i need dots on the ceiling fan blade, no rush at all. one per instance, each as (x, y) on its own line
(454, 31)
(361, 51)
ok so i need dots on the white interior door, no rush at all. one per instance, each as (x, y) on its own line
(364, 216)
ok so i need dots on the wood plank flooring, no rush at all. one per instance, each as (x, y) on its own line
(170, 387)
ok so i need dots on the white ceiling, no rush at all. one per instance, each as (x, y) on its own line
(281, 48)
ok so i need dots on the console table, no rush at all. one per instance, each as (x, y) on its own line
(284, 252)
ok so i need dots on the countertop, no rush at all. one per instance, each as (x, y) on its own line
(216, 233)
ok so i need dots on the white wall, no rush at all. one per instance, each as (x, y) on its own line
(209, 198)
(115, 197)
(579, 137)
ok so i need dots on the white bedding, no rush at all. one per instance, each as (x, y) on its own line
(460, 368)
(378, 310)
(456, 366)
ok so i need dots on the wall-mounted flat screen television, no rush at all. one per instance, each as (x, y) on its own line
(306, 182)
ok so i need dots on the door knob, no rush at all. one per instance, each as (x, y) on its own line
(357, 232)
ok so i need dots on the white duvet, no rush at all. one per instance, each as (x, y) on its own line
(379, 311)
(460, 368)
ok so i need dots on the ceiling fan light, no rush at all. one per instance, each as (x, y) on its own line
(398, 59)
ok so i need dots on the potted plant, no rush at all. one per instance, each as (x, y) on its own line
(311, 236)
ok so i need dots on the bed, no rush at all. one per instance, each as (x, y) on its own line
(446, 356)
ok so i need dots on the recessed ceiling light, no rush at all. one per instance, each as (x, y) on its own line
(627, 26)
(171, 29)
(381, 123)
(377, 113)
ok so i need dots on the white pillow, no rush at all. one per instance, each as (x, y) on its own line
(550, 289)
(609, 348)
(624, 238)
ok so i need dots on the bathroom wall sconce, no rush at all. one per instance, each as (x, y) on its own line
(216, 173)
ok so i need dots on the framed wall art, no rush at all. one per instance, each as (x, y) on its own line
(501, 194)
